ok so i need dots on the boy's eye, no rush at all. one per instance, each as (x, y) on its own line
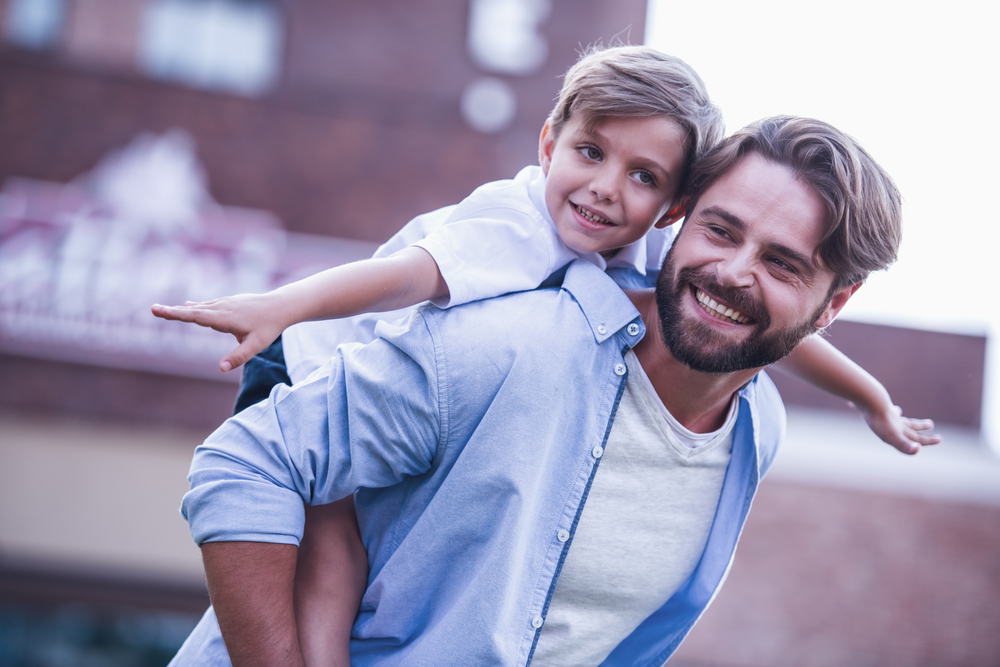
(591, 153)
(645, 178)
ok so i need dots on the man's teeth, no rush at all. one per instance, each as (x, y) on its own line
(591, 216)
(718, 309)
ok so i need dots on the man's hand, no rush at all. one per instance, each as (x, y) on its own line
(906, 434)
(251, 318)
(251, 584)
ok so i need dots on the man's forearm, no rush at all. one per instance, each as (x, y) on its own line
(251, 587)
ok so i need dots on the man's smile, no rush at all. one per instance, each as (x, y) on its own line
(718, 310)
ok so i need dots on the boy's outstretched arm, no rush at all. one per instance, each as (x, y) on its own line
(408, 277)
(818, 362)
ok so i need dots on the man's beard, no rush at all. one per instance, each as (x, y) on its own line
(702, 348)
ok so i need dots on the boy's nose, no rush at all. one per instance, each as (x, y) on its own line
(605, 186)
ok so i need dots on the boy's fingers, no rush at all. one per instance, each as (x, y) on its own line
(172, 313)
(926, 438)
(240, 355)
(907, 447)
(231, 361)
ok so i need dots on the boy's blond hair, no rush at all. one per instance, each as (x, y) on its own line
(864, 216)
(639, 82)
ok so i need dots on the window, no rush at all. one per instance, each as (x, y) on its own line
(34, 24)
(229, 45)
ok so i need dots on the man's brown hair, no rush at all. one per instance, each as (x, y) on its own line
(864, 218)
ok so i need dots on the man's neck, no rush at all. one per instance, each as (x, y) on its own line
(699, 401)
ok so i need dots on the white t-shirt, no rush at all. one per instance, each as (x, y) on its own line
(499, 239)
(642, 531)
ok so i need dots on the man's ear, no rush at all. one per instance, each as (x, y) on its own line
(837, 303)
(546, 143)
(673, 214)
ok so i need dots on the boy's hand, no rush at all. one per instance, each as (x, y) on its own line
(249, 317)
(904, 433)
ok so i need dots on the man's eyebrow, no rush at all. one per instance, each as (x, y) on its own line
(733, 220)
(791, 254)
(795, 256)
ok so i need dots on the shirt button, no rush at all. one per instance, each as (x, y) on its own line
(620, 369)
(536, 622)
(601, 329)
(563, 535)
(598, 452)
(633, 329)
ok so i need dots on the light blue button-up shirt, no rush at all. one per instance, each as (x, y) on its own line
(471, 438)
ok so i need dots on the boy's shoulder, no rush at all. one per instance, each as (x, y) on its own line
(524, 194)
(577, 304)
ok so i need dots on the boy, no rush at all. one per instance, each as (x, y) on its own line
(613, 155)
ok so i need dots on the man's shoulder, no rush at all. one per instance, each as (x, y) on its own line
(553, 323)
(578, 286)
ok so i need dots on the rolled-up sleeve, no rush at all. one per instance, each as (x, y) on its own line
(369, 419)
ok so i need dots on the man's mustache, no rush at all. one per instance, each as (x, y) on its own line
(739, 298)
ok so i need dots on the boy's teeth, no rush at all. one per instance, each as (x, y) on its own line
(720, 310)
(590, 216)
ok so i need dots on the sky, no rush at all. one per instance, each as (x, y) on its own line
(918, 85)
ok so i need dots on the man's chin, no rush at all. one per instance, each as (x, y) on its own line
(710, 359)
(702, 348)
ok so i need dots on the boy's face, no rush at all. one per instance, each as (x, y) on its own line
(608, 186)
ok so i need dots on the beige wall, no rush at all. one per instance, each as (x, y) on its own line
(92, 498)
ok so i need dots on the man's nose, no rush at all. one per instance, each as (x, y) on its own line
(737, 269)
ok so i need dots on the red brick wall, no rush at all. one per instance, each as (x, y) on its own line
(362, 133)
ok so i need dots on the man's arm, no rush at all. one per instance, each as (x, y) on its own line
(309, 443)
(250, 584)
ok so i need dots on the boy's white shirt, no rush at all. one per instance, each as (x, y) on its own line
(499, 239)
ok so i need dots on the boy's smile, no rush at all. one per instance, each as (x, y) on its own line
(608, 184)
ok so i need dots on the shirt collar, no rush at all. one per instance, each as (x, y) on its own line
(603, 303)
(632, 256)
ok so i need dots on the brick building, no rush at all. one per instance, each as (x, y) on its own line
(346, 120)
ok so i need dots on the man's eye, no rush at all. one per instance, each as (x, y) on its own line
(782, 264)
(719, 231)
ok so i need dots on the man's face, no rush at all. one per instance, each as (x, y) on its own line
(607, 185)
(742, 284)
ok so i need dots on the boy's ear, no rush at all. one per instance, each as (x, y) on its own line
(837, 303)
(546, 142)
(673, 214)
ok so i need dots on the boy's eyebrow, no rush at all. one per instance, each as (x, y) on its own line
(794, 255)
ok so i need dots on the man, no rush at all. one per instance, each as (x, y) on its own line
(540, 478)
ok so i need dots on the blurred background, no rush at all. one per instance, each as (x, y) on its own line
(164, 150)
